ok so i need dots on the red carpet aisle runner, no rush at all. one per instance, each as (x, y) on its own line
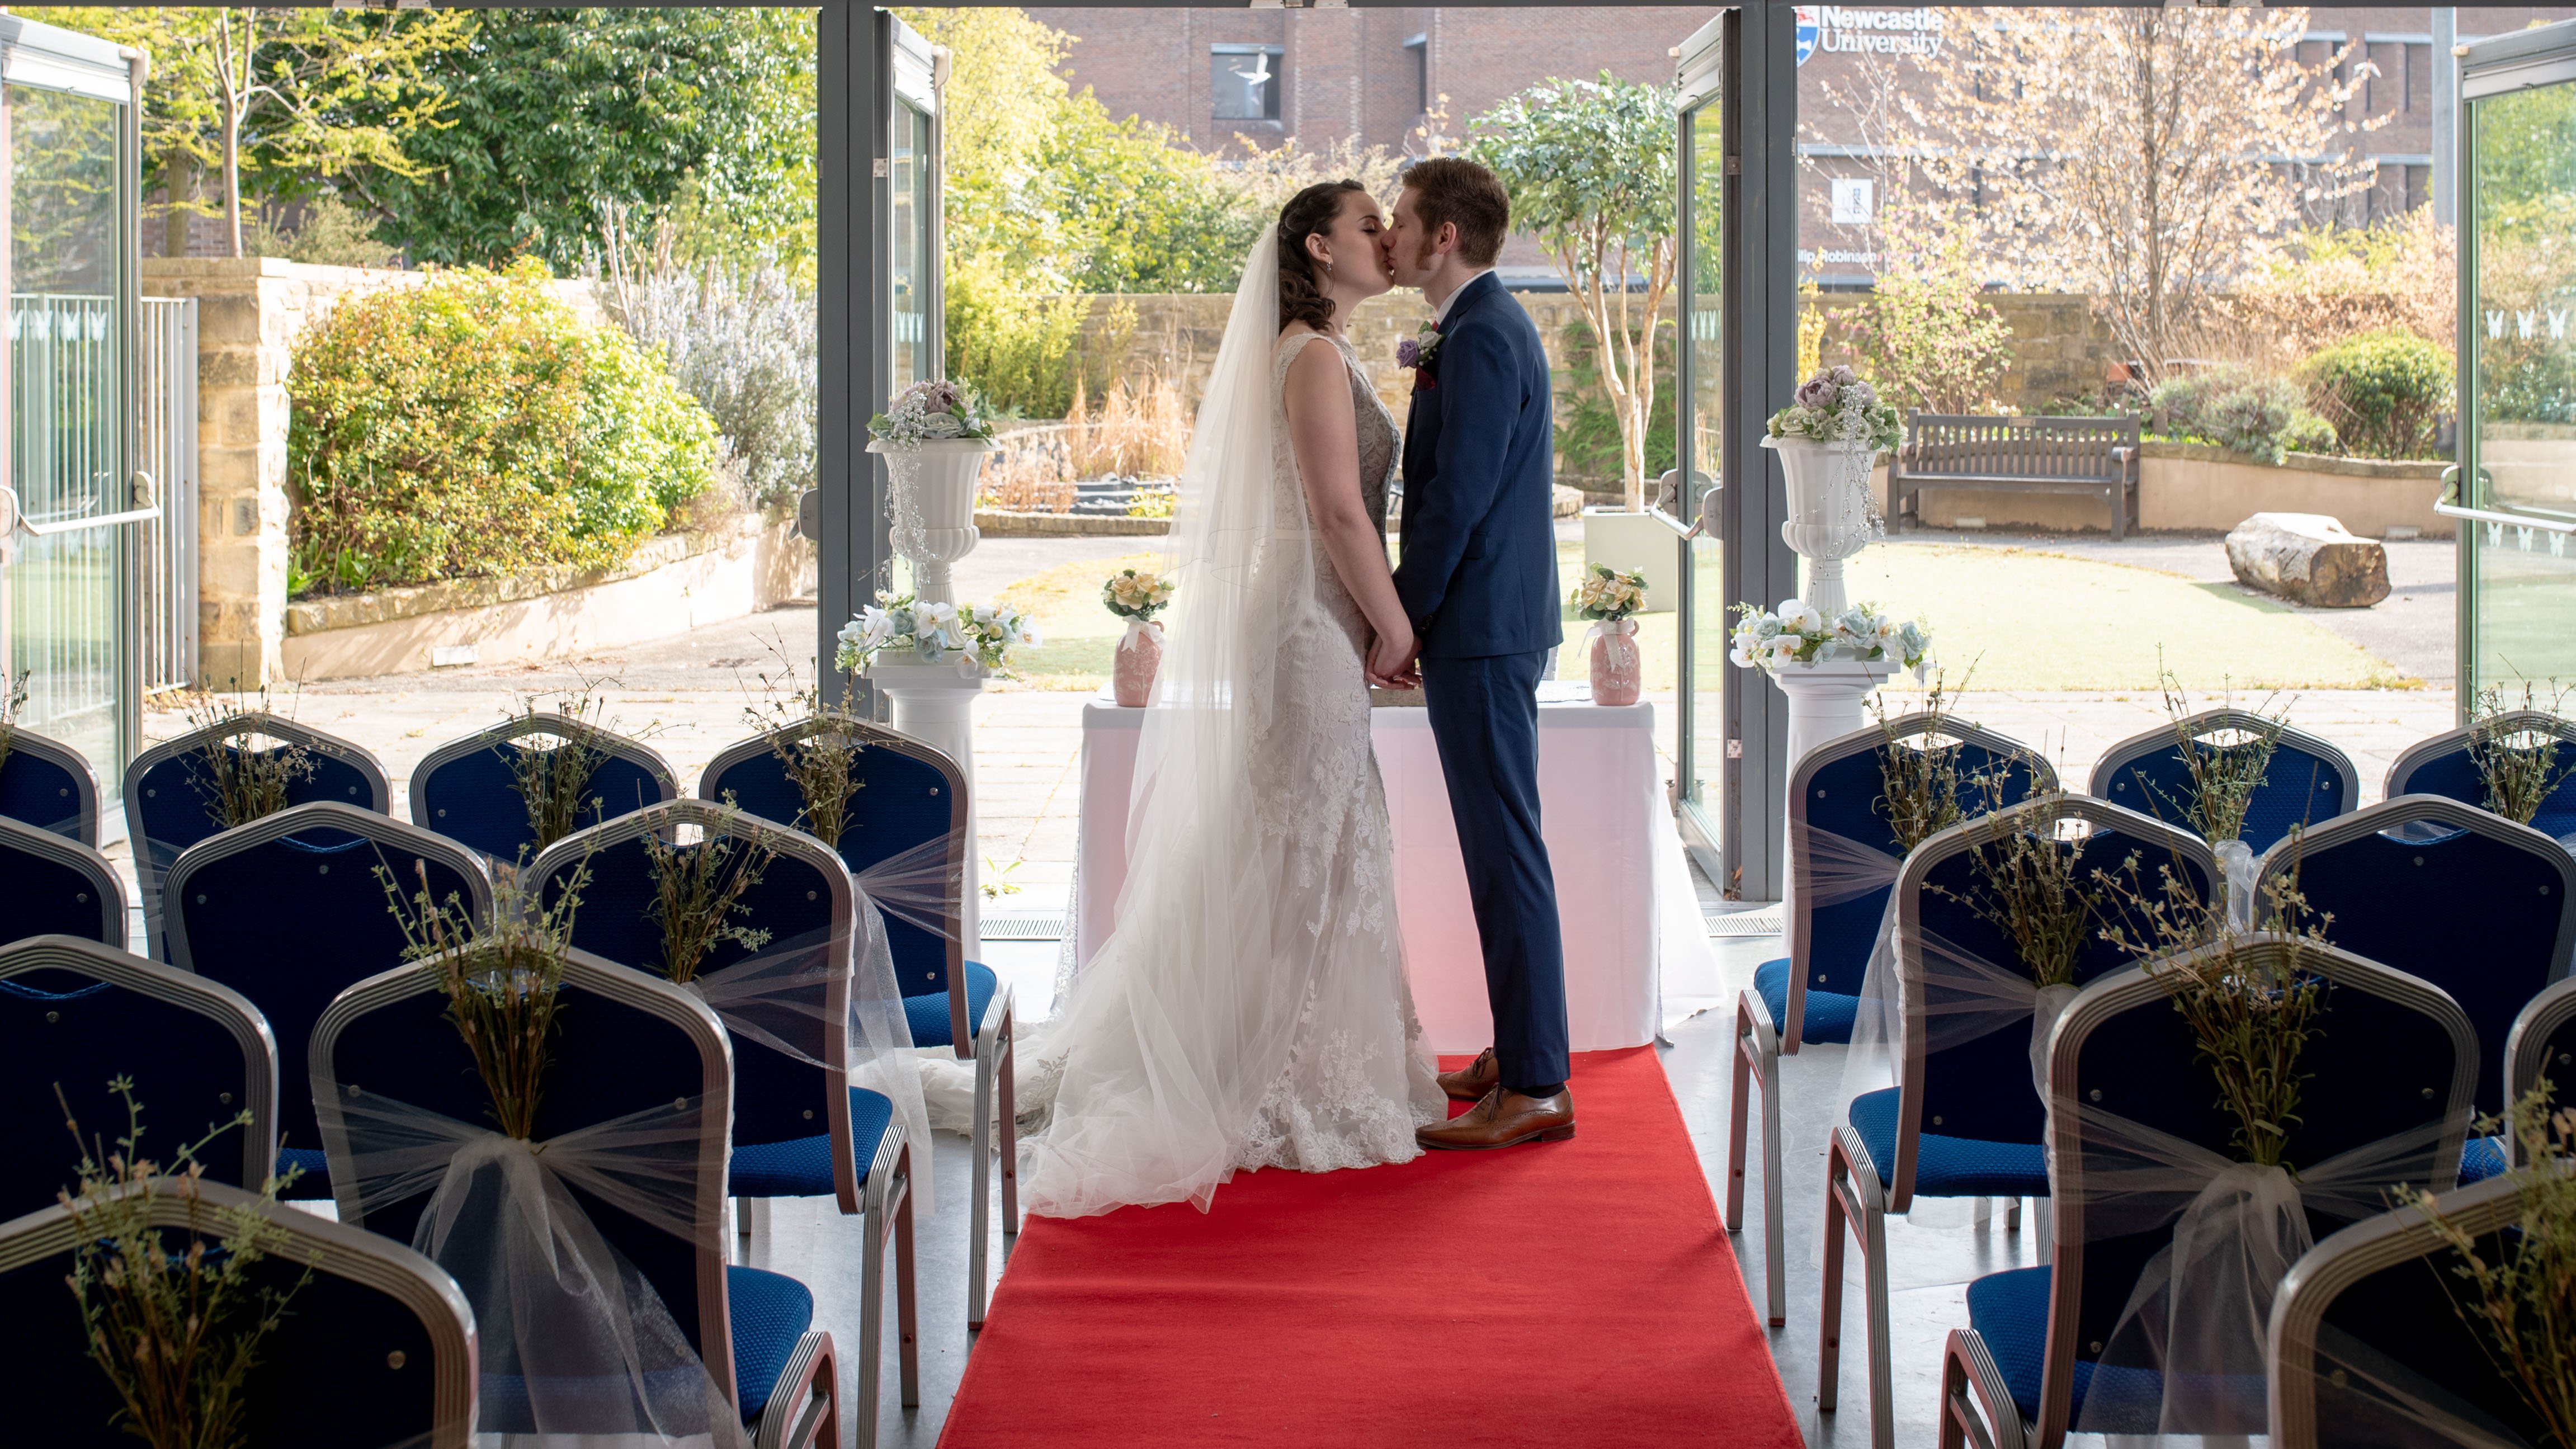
(1366, 1308)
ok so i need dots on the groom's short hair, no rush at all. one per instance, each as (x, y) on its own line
(1456, 190)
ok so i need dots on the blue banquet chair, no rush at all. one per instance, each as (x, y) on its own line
(48, 784)
(1843, 860)
(862, 1160)
(57, 887)
(166, 810)
(2369, 1349)
(2444, 765)
(2541, 1045)
(911, 804)
(2405, 878)
(2307, 782)
(1965, 1118)
(75, 1015)
(376, 1346)
(468, 789)
(626, 1047)
(2388, 1077)
(290, 909)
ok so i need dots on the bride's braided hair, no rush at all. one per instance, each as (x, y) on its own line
(1310, 212)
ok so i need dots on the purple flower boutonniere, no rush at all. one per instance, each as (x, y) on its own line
(1421, 352)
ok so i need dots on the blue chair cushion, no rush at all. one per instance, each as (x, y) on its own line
(769, 1312)
(1830, 1014)
(315, 1179)
(928, 1012)
(2480, 1159)
(802, 1166)
(1950, 1166)
(2009, 1311)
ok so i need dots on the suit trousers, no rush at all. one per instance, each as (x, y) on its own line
(1484, 718)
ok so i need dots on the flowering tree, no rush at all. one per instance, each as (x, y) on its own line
(1591, 172)
(2145, 156)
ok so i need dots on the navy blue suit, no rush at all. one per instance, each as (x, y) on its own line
(1478, 580)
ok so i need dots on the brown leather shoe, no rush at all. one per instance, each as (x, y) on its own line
(1503, 1118)
(1471, 1082)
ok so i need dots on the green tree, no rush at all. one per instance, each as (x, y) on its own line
(277, 102)
(1591, 172)
(1926, 339)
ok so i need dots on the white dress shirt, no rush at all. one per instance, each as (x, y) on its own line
(1440, 313)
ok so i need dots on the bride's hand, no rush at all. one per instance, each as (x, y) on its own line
(1390, 658)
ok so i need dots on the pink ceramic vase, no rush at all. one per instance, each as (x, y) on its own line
(1616, 666)
(1138, 656)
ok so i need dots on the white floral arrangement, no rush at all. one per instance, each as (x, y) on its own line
(1835, 406)
(1795, 633)
(930, 412)
(962, 634)
(1609, 596)
(1137, 595)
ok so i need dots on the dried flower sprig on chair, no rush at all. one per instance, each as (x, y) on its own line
(554, 780)
(2516, 752)
(176, 1332)
(13, 702)
(698, 889)
(2223, 776)
(2523, 1303)
(241, 784)
(1918, 778)
(2034, 888)
(820, 758)
(501, 981)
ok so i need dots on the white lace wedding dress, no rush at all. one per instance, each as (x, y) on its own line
(1250, 1009)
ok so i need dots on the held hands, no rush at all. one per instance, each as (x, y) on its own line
(1394, 659)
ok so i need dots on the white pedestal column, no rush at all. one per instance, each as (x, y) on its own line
(935, 704)
(1825, 700)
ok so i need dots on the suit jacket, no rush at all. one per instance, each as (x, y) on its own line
(1478, 575)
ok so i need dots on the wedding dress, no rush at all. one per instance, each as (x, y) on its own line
(1250, 1009)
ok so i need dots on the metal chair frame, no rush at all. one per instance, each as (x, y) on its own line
(343, 1251)
(1858, 1196)
(988, 1042)
(2449, 742)
(2120, 757)
(72, 762)
(387, 833)
(804, 1401)
(254, 722)
(1760, 1042)
(558, 724)
(210, 999)
(72, 854)
(1976, 1403)
(2526, 1049)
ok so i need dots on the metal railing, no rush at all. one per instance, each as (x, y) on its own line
(166, 566)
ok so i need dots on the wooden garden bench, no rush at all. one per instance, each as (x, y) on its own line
(2017, 455)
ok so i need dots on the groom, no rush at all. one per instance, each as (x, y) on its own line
(1478, 580)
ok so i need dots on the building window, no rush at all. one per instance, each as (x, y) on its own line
(1417, 51)
(1243, 81)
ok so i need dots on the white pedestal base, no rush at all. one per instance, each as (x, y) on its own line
(935, 704)
(1825, 700)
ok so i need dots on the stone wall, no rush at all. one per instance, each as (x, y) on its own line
(250, 311)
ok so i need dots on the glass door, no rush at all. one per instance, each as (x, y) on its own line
(1701, 736)
(913, 171)
(2514, 493)
(69, 193)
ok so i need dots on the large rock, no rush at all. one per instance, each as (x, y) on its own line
(2308, 558)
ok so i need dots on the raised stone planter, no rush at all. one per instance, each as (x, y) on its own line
(672, 584)
(2191, 487)
(1001, 523)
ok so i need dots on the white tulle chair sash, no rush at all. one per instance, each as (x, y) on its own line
(575, 1346)
(921, 886)
(1960, 996)
(2188, 1353)
(1829, 869)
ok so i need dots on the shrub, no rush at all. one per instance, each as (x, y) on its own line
(1929, 341)
(2384, 391)
(741, 340)
(474, 426)
(2244, 412)
(1017, 348)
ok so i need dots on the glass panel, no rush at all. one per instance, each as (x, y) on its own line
(2523, 438)
(1705, 634)
(1243, 82)
(66, 364)
(909, 169)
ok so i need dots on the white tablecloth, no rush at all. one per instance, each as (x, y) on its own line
(1610, 841)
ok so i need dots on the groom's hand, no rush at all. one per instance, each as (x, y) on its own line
(1390, 661)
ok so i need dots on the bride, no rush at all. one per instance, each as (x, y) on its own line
(1250, 1009)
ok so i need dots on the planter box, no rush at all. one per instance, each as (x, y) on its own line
(2191, 487)
(997, 523)
(674, 583)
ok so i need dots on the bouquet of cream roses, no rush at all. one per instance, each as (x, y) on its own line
(929, 412)
(963, 634)
(1609, 596)
(1796, 633)
(1137, 595)
(1835, 406)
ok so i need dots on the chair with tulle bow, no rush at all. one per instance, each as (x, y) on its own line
(631, 1120)
(2370, 1349)
(2447, 765)
(289, 910)
(58, 887)
(48, 784)
(2479, 906)
(1965, 1118)
(2306, 783)
(76, 1015)
(168, 804)
(2137, 1143)
(1843, 860)
(468, 789)
(376, 1346)
(907, 840)
(787, 1007)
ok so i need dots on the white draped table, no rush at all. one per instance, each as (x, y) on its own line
(1610, 842)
